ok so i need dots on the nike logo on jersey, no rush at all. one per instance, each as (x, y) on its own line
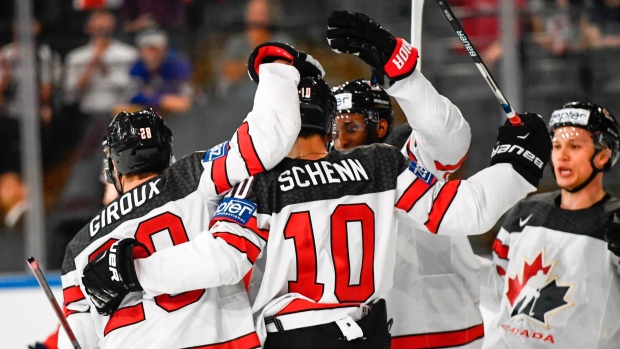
(523, 137)
(523, 222)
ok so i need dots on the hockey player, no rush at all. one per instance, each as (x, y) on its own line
(322, 226)
(552, 270)
(160, 207)
(424, 263)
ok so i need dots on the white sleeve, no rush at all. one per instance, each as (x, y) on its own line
(265, 137)
(77, 310)
(459, 207)
(441, 136)
(491, 285)
(222, 256)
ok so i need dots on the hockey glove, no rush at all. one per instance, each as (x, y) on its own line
(391, 58)
(111, 275)
(527, 147)
(612, 232)
(272, 51)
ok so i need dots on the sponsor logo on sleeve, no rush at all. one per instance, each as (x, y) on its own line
(216, 152)
(239, 210)
(421, 172)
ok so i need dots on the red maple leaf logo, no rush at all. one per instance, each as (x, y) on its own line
(515, 285)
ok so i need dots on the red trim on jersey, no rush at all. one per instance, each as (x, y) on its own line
(246, 280)
(68, 312)
(248, 341)
(442, 167)
(248, 151)
(252, 224)
(104, 247)
(301, 305)
(441, 205)
(439, 339)
(500, 249)
(72, 294)
(409, 152)
(500, 271)
(219, 174)
(124, 317)
(240, 243)
(416, 190)
(52, 341)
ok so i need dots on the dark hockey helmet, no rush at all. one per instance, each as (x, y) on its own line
(317, 104)
(362, 97)
(594, 118)
(137, 142)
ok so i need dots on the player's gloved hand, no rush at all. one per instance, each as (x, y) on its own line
(527, 147)
(391, 58)
(112, 275)
(272, 51)
(612, 232)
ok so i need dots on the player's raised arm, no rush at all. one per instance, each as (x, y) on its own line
(473, 206)
(441, 135)
(269, 131)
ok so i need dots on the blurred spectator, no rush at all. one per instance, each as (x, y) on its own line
(480, 20)
(97, 74)
(161, 75)
(603, 27)
(557, 26)
(169, 15)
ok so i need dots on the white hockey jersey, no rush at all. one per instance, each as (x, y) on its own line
(434, 300)
(554, 277)
(172, 209)
(326, 228)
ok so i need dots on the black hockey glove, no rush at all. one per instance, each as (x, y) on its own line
(527, 147)
(612, 232)
(391, 58)
(111, 275)
(272, 51)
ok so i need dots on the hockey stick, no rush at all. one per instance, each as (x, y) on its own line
(469, 46)
(417, 7)
(34, 265)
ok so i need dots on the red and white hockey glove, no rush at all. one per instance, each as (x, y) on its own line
(112, 275)
(526, 147)
(391, 58)
(271, 51)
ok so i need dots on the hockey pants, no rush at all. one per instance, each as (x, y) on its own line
(328, 336)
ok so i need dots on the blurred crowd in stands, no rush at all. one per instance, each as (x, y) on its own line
(187, 59)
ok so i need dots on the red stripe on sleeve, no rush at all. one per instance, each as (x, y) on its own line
(219, 175)
(441, 167)
(501, 271)
(409, 153)
(67, 311)
(124, 317)
(252, 224)
(249, 341)
(439, 339)
(72, 294)
(441, 205)
(240, 243)
(248, 151)
(102, 248)
(416, 190)
(500, 249)
(246, 280)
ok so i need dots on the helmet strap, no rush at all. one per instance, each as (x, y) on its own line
(595, 171)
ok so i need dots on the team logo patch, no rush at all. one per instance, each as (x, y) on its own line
(535, 292)
(344, 101)
(572, 115)
(421, 172)
(239, 210)
(216, 152)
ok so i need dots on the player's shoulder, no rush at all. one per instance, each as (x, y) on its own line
(531, 211)
(612, 204)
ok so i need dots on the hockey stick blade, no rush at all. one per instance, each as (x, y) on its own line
(38, 274)
(473, 53)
